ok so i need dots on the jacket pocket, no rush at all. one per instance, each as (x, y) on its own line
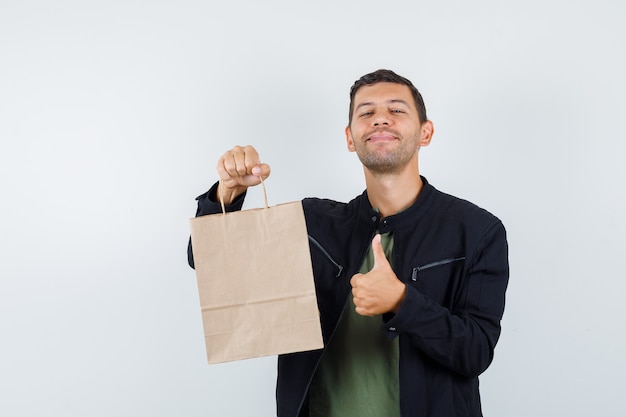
(338, 268)
(440, 280)
(418, 269)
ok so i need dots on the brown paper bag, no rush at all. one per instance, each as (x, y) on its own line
(255, 282)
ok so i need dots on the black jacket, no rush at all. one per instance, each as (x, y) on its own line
(453, 257)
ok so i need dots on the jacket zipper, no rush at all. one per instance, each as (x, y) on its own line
(327, 255)
(418, 269)
(340, 270)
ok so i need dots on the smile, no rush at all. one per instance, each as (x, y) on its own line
(382, 137)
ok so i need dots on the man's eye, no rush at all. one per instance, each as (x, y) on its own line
(397, 111)
(365, 114)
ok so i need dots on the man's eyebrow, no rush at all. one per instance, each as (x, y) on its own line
(371, 103)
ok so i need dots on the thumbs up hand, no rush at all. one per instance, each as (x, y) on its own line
(379, 291)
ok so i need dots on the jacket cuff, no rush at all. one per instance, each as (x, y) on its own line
(394, 324)
(209, 204)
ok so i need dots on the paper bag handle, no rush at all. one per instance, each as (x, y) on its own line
(222, 194)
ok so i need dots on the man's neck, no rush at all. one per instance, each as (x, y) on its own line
(392, 193)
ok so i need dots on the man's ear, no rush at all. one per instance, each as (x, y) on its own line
(427, 130)
(349, 139)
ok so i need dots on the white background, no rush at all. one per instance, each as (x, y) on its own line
(114, 113)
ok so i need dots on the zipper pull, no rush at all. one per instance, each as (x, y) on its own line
(339, 271)
(414, 274)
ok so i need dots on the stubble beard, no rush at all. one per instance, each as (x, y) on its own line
(387, 161)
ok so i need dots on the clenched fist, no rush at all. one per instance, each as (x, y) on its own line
(239, 168)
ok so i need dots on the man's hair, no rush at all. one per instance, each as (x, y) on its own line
(387, 76)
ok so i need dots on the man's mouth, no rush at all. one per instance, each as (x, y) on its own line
(381, 137)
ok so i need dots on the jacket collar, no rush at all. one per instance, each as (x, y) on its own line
(411, 215)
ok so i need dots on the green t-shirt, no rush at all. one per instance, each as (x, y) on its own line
(358, 374)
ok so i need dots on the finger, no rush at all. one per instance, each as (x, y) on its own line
(358, 303)
(227, 166)
(379, 254)
(249, 159)
(244, 158)
(358, 309)
(239, 165)
(363, 311)
(354, 280)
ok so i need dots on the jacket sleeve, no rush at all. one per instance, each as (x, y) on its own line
(462, 340)
(208, 204)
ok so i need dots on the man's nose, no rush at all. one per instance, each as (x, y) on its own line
(380, 120)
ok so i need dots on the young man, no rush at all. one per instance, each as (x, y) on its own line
(410, 281)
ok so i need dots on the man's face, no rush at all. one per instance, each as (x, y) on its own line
(385, 131)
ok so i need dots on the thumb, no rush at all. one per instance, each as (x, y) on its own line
(379, 254)
(261, 170)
